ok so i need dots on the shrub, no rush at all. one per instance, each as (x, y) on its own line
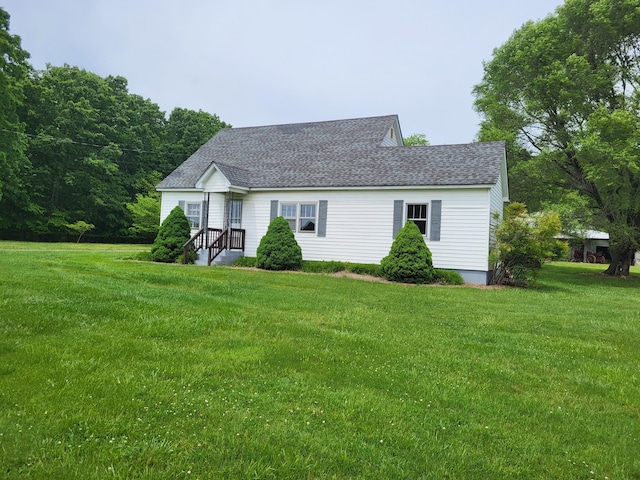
(245, 262)
(409, 259)
(523, 243)
(323, 266)
(80, 227)
(278, 249)
(560, 250)
(172, 235)
(140, 256)
(448, 277)
(365, 269)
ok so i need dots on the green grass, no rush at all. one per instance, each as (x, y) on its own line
(115, 368)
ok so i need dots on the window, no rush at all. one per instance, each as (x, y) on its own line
(290, 212)
(417, 213)
(235, 213)
(302, 217)
(308, 217)
(192, 211)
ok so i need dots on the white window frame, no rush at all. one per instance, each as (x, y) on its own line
(292, 212)
(289, 215)
(194, 220)
(418, 218)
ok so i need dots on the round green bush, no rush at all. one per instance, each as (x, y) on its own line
(278, 249)
(172, 235)
(409, 260)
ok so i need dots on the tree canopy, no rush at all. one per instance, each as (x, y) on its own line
(77, 147)
(416, 139)
(563, 93)
(14, 164)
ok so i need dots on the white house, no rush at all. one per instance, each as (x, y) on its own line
(346, 187)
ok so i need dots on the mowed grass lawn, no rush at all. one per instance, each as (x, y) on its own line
(114, 368)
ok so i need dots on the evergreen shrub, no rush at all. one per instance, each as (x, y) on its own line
(319, 266)
(448, 277)
(365, 269)
(245, 262)
(278, 249)
(172, 235)
(409, 260)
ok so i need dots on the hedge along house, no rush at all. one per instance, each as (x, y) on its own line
(346, 187)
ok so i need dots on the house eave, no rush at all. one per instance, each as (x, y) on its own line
(178, 189)
(230, 189)
(245, 190)
(373, 187)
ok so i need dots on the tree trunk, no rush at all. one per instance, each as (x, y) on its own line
(621, 256)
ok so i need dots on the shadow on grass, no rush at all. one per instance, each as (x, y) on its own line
(566, 276)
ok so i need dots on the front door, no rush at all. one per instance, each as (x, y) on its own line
(234, 213)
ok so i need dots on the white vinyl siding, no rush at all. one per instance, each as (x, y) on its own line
(216, 182)
(172, 199)
(393, 137)
(360, 223)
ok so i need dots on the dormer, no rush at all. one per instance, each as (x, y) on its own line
(393, 138)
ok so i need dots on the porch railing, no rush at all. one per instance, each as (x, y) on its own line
(215, 240)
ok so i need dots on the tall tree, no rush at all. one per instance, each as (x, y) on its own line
(416, 139)
(563, 93)
(14, 164)
(92, 147)
(188, 130)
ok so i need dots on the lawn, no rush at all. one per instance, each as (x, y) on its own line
(115, 368)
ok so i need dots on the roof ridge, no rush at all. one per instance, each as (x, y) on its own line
(447, 144)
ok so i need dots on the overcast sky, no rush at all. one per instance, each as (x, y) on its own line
(261, 62)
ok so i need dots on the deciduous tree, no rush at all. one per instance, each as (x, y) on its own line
(563, 93)
(92, 144)
(523, 243)
(416, 139)
(188, 130)
(15, 198)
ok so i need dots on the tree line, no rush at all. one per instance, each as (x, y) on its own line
(79, 149)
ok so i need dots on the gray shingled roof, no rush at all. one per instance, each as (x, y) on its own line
(341, 153)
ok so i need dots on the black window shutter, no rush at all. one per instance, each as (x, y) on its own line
(274, 210)
(436, 216)
(398, 210)
(322, 218)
